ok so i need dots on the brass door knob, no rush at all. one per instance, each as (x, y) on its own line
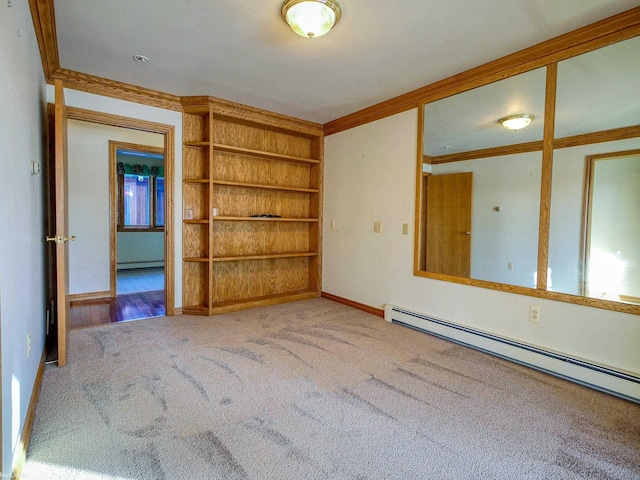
(60, 239)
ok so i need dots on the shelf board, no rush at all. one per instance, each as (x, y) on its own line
(239, 258)
(195, 259)
(226, 183)
(235, 305)
(263, 219)
(196, 144)
(195, 180)
(261, 154)
(195, 310)
(195, 222)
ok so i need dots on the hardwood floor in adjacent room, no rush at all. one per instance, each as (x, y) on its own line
(122, 308)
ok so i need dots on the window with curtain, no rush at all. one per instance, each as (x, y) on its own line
(141, 202)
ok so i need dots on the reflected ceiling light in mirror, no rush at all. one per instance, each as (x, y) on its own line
(311, 18)
(516, 122)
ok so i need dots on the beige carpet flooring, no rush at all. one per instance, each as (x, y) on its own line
(314, 390)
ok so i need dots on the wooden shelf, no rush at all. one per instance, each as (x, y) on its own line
(239, 258)
(247, 161)
(261, 154)
(263, 219)
(196, 222)
(235, 305)
(196, 144)
(226, 183)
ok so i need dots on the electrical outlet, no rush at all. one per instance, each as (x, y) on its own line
(377, 227)
(534, 314)
(405, 229)
(28, 345)
(333, 225)
(188, 214)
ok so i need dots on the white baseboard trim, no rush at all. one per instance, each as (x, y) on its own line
(622, 384)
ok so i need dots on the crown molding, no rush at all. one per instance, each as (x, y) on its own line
(44, 24)
(275, 121)
(585, 39)
(120, 90)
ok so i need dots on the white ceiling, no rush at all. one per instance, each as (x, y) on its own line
(241, 50)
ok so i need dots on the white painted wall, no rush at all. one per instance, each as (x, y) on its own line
(22, 140)
(142, 247)
(370, 176)
(89, 214)
(153, 114)
(510, 235)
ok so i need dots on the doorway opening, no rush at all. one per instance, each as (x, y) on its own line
(101, 302)
(137, 195)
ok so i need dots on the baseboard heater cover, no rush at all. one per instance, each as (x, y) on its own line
(601, 378)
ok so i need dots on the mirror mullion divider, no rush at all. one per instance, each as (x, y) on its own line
(418, 246)
(547, 170)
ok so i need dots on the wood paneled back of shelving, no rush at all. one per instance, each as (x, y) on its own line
(259, 238)
(252, 199)
(227, 166)
(258, 138)
(245, 202)
(259, 278)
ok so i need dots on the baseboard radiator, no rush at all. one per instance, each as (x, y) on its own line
(601, 378)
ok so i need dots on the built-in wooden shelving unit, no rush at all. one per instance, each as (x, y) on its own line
(263, 173)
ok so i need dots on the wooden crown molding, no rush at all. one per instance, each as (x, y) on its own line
(607, 31)
(112, 88)
(44, 24)
(275, 121)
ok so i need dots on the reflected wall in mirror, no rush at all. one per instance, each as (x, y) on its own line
(493, 235)
(597, 117)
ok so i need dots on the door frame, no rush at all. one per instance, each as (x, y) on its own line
(114, 203)
(168, 131)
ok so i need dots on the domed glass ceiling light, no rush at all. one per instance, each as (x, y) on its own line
(311, 18)
(516, 122)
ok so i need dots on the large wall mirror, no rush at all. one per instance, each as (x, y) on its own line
(482, 189)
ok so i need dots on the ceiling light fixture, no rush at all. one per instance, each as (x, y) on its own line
(516, 122)
(311, 18)
(141, 59)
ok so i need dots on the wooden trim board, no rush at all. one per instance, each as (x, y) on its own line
(20, 454)
(379, 312)
(81, 297)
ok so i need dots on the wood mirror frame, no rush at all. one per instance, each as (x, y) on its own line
(548, 54)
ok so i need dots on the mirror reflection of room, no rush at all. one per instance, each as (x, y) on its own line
(486, 229)
(592, 251)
